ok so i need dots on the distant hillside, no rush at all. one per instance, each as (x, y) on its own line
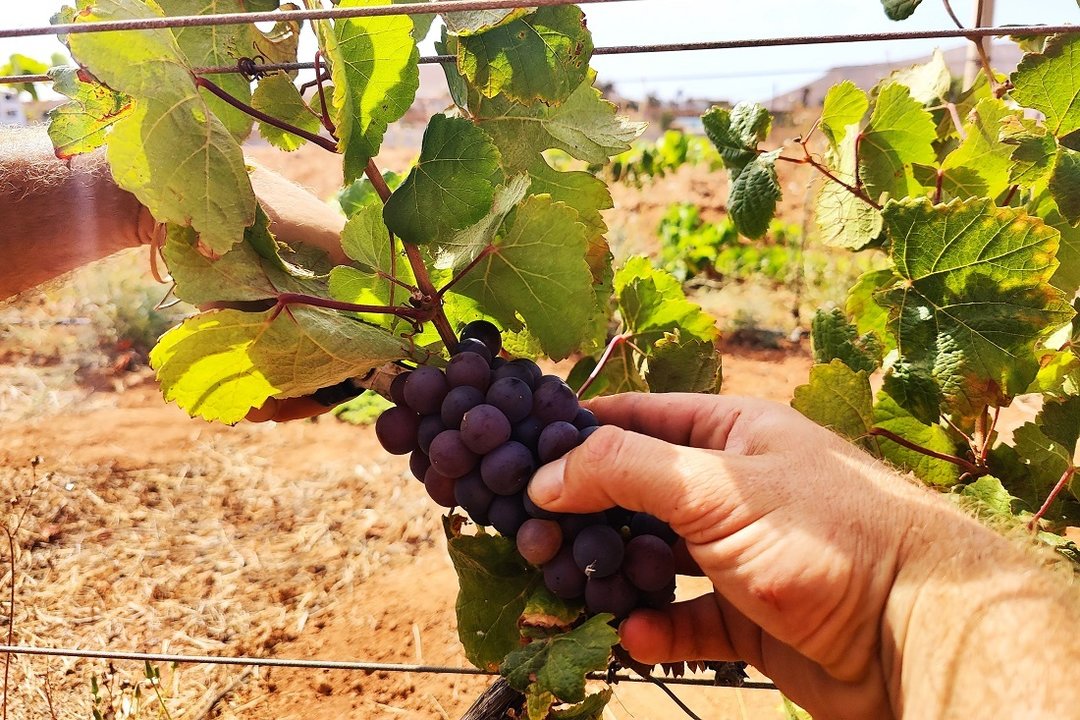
(1006, 56)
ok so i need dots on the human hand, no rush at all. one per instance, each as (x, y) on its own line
(801, 534)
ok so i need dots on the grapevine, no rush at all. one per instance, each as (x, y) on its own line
(453, 279)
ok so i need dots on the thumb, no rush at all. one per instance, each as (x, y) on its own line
(698, 492)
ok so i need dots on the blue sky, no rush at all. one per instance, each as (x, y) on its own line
(736, 74)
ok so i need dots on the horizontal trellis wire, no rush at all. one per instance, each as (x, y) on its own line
(345, 665)
(945, 33)
(210, 19)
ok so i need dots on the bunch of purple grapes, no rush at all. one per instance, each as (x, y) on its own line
(477, 432)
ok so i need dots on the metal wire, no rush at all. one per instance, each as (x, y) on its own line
(188, 21)
(676, 47)
(341, 665)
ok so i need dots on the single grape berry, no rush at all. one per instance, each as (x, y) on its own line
(474, 497)
(507, 514)
(527, 432)
(440, 488)
(522, 369)
(646, 524)
(396, 430)
(585, 419)
(419, 463)
(553, 402)
(583, 435)
(598, 550)
(511, 395)
(430, 427)
(507, 468)
(484, 428)
(486, 333)
(397, 388)
(538, 541)
(450, 456)
(572, 525)
(659, 599)
(535, 510)
(612, 594)
(425, 389)
(649, 563)
(459, 401)
(563, 577)
(473, 346)
(556, 440)
(468, 369)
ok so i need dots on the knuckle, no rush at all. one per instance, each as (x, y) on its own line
(604, 449)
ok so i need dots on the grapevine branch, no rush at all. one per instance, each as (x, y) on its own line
(603, 361)
(970, 468)
(319, 78)
(1033, 524)
(468, 268)
(325, 143)
(285, 299)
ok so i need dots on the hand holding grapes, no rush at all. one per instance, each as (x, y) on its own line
(803, 537)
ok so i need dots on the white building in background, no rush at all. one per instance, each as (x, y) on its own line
(11, 109)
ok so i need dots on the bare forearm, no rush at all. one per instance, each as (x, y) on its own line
(980, 630)
(56, 216)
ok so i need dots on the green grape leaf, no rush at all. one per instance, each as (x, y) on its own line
(591, 708)
(542, 56)
(620, 374)
(915, 387)
(982, 154)
(957, 183)
(862, 306)
(889, 415)
(421, 22)
(373, 65)
(361, 192)
(220, 364)
(900, 132)
(160, 151)
(587, 126)
(834, 338)
(280, 43)
(1065, 184)
(545, 614)
(1067, 276)
(450, 188)
(674, 365)
(278, 97)
(755, 192)
(845, 106)
(495, 585)
(1048, 445)
(1050, 83)
(652, 304)
(558, 665)
(362, 410)
(216, 46)
(928, 81)
(19, 64)
(990, 496)
(843, 219)
(972, 295)
(536, 264)
(82, 124)
(1034, 150)
(736, 133)
(840, 399)
(467, 244)
(447, 44)
(474, 22)
(583, 191)
(900, 9)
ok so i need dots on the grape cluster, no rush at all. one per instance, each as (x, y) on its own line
(475, 434)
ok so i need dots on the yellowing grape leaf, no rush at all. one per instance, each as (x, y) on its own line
(82, 124)
(972, 295)
(1050, 83)
(278, 97)
(373, 66)
(450, 188)
(981, 153)
(541, 56)
(473, 22)
(171, 152)
(220, 364)
(845, 106)
(900, 132)
(535, 266)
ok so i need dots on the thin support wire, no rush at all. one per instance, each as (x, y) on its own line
(673, 47)
(242, 18)
(368, 667)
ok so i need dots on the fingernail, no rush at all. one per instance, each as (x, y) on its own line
(547, 483)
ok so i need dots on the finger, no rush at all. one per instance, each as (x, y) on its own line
(702, 494)
(285, 410)
(680, 418)
(685, 564)
(689, 630)
(296, 215)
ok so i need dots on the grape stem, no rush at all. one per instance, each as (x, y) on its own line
(415, 315)
(326, 121)
(608, 351)
(325, 143)
(430, 296)
(1033, 524)
(476, 261)
(970, 468)
(809, 159)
